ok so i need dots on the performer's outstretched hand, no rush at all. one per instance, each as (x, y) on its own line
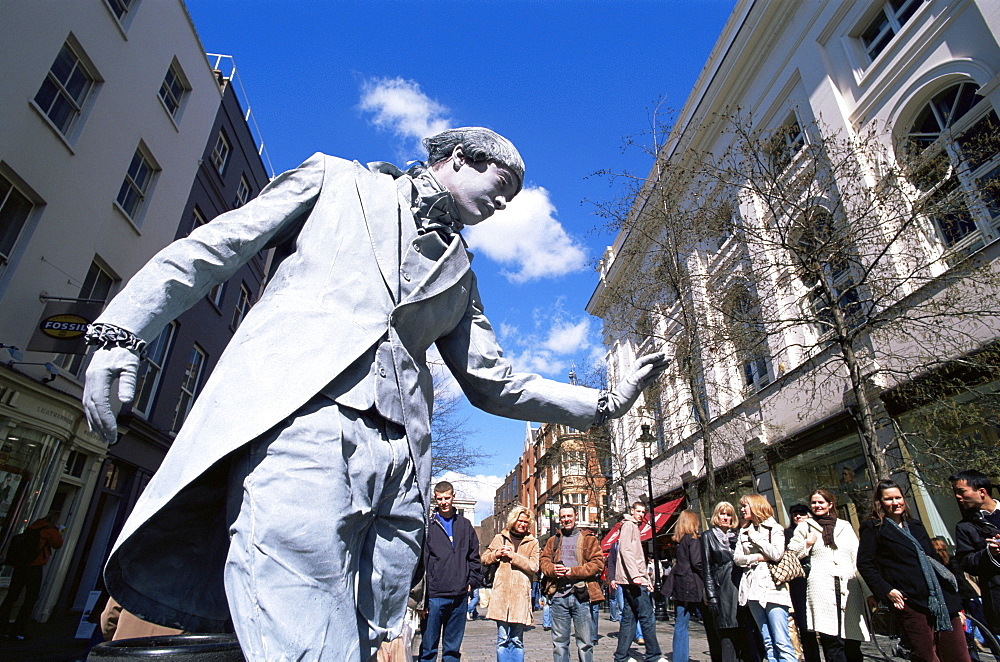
(106, 365)
(646, 370)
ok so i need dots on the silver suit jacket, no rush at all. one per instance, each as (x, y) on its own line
(329, 302)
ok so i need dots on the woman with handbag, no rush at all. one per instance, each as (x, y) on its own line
(516, 553)
(760, 544)
(727, 641)
(687, 587)
(899, 565)
(835, 601)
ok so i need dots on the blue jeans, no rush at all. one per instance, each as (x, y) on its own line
(615, 597)
(446, 614)
(474, 602)
(638, 607)
(568, 612)
(682, 617)
(595, 612)
(510, 642)
(546, 615)
(773, 623)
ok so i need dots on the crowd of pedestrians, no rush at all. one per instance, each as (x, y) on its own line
(725, 577)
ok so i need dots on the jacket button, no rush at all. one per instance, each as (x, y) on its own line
(406, 277)
(381, 372)
(416, 247)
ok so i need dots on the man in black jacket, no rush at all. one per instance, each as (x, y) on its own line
(977, 538)
(451, 562)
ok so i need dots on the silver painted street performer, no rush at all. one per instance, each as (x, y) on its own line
(293, 501)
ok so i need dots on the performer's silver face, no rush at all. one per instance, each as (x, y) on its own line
(479, 189)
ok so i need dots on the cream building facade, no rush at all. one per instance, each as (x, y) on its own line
(917, 75)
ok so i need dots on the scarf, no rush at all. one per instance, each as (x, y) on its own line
(828, 522)
(724, 536)
(432, 206)
(935, 596)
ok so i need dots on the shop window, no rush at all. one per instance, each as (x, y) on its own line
(65, 89)
(75, 463)
(29, 456)
(838, 466)
(952, 149)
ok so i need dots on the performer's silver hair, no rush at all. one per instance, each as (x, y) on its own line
(479, 144)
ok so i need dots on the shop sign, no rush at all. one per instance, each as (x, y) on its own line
(62, 326)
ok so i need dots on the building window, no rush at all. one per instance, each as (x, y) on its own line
(574, 463)
(64, 90)
(121, 8)
(786, 142)
(15, 209)
(189, 387)
(242, 193)
(216, 293)
(954, 150)
(136, 185)
(173, 88)
(152, 369)
(886, 24)
(220, 153)
(823, 254)
(242, 306)
(743, 322)
(97, 286)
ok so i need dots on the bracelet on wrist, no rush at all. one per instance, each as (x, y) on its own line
(107, 336)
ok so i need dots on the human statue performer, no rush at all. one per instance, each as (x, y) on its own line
(294, 499)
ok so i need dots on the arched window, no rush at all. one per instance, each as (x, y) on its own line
(746, 331)
(954, 138)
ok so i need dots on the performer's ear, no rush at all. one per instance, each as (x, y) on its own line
(457, 157)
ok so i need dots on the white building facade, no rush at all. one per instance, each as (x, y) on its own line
(921, 73)
(107, 107)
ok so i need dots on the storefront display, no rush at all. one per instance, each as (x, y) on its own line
(837, 466)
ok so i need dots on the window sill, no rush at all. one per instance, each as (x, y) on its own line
(128, 219)
(59, 134)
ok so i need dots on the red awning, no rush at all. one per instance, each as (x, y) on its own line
(663, 513)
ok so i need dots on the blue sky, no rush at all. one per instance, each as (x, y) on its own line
(567, 82)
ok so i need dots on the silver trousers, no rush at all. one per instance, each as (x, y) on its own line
(327, 529)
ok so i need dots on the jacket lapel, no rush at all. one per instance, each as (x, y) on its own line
(379, 199)
(447, 271)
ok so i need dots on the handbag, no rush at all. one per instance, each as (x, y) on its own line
(786, 568)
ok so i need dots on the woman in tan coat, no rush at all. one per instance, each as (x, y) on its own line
(516, 552)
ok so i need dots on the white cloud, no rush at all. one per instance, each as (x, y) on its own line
(567, 337)
(480, 488)
(400, 106)
(528, 237)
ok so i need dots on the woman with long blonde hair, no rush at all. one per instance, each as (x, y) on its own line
(686, 580)
(761, 540)
(727, 641)
(516, 552)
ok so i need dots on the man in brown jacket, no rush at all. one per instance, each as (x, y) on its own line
(571, 564)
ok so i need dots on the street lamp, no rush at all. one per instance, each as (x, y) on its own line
(647, 439)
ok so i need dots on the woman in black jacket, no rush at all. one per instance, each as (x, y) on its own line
(895, 559)
(726, 634)
(687, 584)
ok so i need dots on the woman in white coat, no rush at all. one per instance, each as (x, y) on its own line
(761, 539)
(835, 601)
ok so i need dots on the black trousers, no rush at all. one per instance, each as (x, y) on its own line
(836, 649)
(27, 579)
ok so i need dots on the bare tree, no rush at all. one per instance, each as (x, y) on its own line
(450, 434)
(853, 263)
